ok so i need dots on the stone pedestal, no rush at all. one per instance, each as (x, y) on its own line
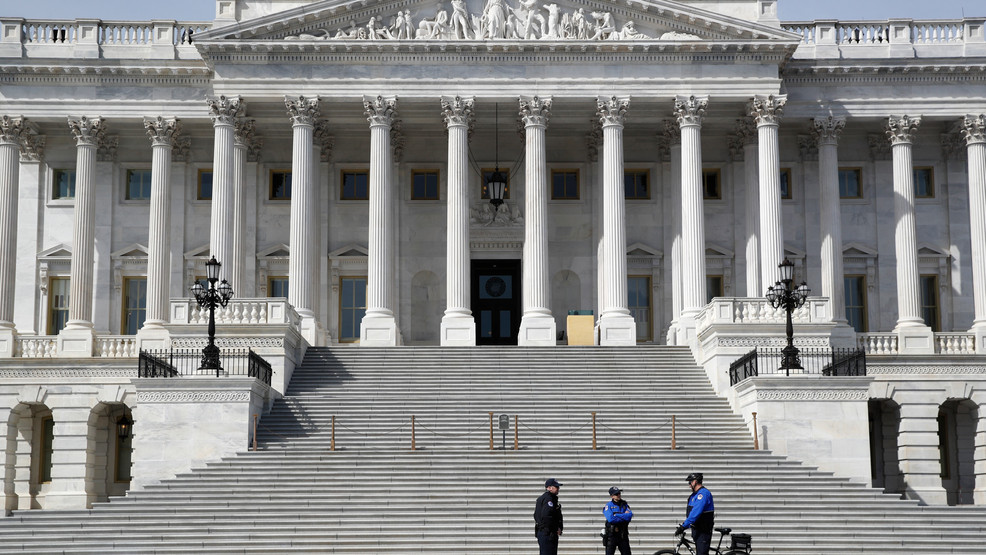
(918, 453)
(8, 338)
(153, 338)
(76, 342)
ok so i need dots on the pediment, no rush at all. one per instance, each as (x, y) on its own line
(858, 250)
(641, 250)
(198, 252)
(350, 251)
(135, 250)
(480, 21)
(57, 252)
(928, 251)
(279, 250)
(716, 251)
(794, 254)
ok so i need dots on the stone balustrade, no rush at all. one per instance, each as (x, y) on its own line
(35, 346)
(94, 38)
(908, 38)
(947, 343)
(116, 346)
(238, 311)
(755, 310)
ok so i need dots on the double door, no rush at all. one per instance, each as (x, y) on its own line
(496, 301)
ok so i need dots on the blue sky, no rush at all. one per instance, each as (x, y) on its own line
(204, 10)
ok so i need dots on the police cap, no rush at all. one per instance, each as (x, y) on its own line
(697, 476)
(615, 490)
(551, 482)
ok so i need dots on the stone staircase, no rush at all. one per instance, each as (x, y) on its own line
(452, 494)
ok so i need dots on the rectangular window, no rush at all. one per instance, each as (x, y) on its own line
(124, 450)
(638, 293)
(850, 183)
(204, 185)
(855, 289)
(487, 173)
(424, 185)
(355, 185)
(929, 302)
(58, 290)
(62, 184)
(924, 182)
(134, 305)
(564, 184)
(138, 185)
(786, 184)
(277, 286)
(636, 184)
(352, 307)
(712, 184)
(44, 458)
(280, 185)
(713, 288)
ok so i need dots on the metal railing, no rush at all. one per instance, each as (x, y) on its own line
(175, 363)
(827, 362)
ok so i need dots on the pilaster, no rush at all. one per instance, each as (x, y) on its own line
(537, 325)
(616, 325)
(672, 133)
(913, 335)
(458, 323)
(244, 142)
(32, 189)
(746, 138)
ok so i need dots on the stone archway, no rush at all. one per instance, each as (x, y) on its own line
(108, 456)
(884, 417)
(27, 462)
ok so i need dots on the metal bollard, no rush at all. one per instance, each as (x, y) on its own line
(593, 431)
(756, 434)
(255, 416)
(673, 438)
(491, 431)
(333, 445)
(516, 435)
(412, 432)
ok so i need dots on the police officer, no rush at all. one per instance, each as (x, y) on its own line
(701, 515)
(548, 522)
(618, 515)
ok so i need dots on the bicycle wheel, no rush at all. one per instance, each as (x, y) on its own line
(736, 552)
(666, 552)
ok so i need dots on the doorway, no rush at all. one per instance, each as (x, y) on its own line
(496, 302)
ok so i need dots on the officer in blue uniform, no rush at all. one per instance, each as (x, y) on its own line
(618, 515)
(701, 515)
(548, 523)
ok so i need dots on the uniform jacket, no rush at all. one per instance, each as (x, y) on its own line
(618, 515)
(547, 513)
(701, 511)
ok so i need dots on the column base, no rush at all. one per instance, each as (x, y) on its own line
(617, 331)
(672, 337)
(378, 331)
(153, 338)
(915, 340)
(76, 343)
(8, 339)
(537, 331)
(458, 331)
(312, 331)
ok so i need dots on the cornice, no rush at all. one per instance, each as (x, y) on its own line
(882, 74)
(62, 73)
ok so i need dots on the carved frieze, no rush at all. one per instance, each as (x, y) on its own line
(862, 394)
(690, 109)
(302, 110)
(901, 130)
(612, 110)
(535, 110)
(224, 111)
(974, 129)
(162, 131)
(767, 109)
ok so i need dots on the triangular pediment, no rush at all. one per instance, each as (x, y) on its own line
(350, 251)
(135, 250)
(928, 251)
(716, 251)
(279, 250)
(198, 252)
(430, 21)
(641, 250)
(858, 250)
(57, 252)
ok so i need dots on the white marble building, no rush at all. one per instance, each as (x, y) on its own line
(659, 154)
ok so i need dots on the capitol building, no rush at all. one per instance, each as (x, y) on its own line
(489, 175)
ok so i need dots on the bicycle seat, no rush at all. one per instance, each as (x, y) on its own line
(724, 531)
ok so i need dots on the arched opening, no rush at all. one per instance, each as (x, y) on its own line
(109, 452)
(884, 417)
(426, 309)
(27, 463)
(957, 420)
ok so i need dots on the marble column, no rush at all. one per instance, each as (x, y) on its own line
(223, 112)
(974, 130)
(537, 325)
(690, 110)
(303, 263)
(379, 326)
(11, 138)
(747, 135)
(914, 336)
(672, 133)
(162, 132)
(827, 131)
(458, 323)
(243, 139)
(78, 336)
(766, 111)
(616, 325)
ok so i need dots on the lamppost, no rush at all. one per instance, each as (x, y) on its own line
(782, 294)
(496, 182)
(211, 298)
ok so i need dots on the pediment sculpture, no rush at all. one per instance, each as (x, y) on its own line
(524, 20)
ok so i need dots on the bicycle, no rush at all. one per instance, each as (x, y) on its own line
(740, 545)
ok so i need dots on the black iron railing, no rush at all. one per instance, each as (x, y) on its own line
(188, 362)
(827, 362)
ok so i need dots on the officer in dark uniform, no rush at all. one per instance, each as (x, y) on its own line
(618, 515)
(701, 515)
(548, 522)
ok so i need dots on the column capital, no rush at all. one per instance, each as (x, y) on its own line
(380, 110)
(535, 110)
(954, 146)
(397, 139)
(302, 110)
(690, 109)
(612, 110)
(244, 132)
(33, 147)
(106, 149)
(162, 131)
(672, 132)
(593, 139)
(828, 129)
(324, 139)
(87, 131)
(974, 129)
(767, 109)
(181, 149)
(12, 130)
(745, 135)
(879, 147)
(900, 130)
(808, 147)
(223, 110)
(458, 111)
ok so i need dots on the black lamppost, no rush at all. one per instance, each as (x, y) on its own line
(496, 182)
(211, 298)
(782, 294)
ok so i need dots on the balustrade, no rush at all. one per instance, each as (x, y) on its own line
(866, 35)
(112, 39)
